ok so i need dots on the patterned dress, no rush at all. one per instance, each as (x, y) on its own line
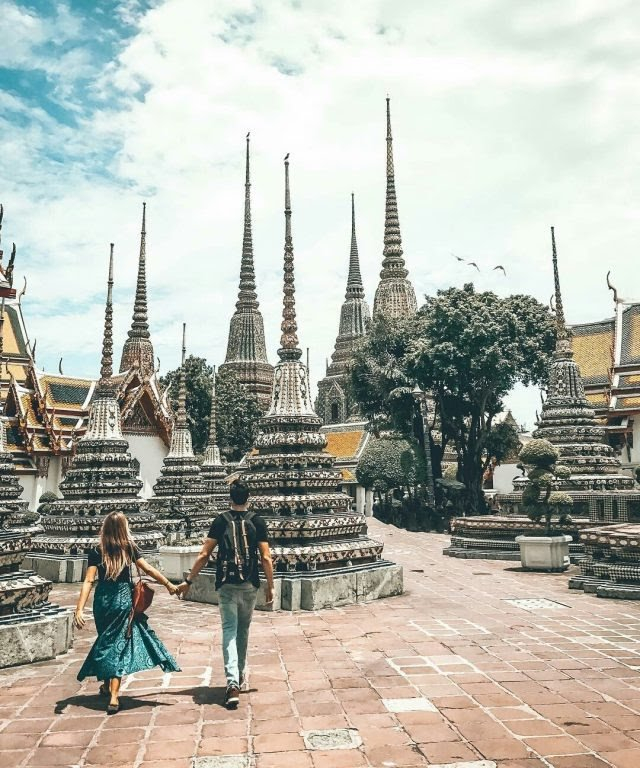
(114, 654)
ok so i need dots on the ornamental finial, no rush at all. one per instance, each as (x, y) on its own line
(247, 296)
(181, 415)
(562, 329)
(106, 366)
(355, 289)
(140, 325)
(393, 262)
(563, 342)
(289, 349)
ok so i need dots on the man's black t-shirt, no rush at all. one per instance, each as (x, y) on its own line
(95, 558)
(217, 531)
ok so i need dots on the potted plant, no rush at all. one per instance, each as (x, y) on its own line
(548, 552)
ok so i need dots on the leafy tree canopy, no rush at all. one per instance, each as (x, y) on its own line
(238, 410)
(468, 349)
(389, 463)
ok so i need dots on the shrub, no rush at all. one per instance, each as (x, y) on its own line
(539, 499)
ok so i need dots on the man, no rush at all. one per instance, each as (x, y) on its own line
(241, 538)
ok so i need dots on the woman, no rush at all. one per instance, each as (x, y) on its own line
(120, 648)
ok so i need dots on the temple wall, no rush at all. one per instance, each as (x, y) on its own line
(34, 486)
(150, 451)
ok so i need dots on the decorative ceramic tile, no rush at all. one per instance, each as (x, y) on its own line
(536, 604)
(332, 738)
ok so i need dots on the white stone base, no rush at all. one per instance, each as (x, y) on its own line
(176, 560)
(544, 553)
(57, 568)
(29, 641)
(314, 591)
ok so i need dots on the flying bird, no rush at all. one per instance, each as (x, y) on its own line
(502, 268)
(286, 157)
(473, 264)
(456, 257)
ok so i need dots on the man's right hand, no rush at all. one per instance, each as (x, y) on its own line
(268, 598)
(182, 589)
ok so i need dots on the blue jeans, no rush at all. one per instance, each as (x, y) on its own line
(236, 602)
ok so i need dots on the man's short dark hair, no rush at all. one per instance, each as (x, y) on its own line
(239, 492)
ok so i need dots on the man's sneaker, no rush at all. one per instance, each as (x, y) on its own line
(232, 697)
(244, 683)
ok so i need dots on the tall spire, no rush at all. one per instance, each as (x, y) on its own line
(289, 349)
(393, 263)
(395, 296)
(246, 348)
(247, 296)
(355, 289)
(106, 364)
(181, 414)
(138, 349)
(560, 321)
(334, 403)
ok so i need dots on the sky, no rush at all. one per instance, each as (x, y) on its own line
(508, 117)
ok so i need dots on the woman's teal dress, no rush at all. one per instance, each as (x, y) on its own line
(114, 654)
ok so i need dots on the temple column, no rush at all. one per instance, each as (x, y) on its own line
(368, 503)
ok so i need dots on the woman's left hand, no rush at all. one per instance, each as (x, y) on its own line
(78, 618)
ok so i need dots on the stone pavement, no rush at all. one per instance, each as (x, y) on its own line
(478, 664)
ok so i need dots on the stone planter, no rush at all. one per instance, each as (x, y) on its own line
(176, 560)
(544, 553)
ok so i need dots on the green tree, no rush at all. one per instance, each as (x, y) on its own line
(539, 499)
(469, 350)
(390, 463)
(238, 410)
(197, 373)
(238, 416)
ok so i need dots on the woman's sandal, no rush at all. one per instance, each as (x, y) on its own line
(113, 708)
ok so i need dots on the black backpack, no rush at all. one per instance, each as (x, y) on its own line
(238, 548)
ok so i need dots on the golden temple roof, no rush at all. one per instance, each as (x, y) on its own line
(592, 350)
(345, 445)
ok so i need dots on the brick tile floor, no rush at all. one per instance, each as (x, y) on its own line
(554, 688)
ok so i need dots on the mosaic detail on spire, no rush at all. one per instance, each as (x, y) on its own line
(102, 476)
(246, 348)
(180, 498)
(395, 295)
(335, 404)
(138, 349)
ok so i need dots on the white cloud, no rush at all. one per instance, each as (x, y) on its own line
(506, 120)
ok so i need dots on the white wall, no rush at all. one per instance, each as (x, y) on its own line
(150, 451)
(503, 477)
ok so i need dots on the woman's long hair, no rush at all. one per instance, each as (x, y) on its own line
(116, 544)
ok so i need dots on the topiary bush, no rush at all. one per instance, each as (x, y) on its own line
(539, 499)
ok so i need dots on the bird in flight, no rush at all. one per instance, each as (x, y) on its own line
(473, 264)
(456, 257)
(502, 268)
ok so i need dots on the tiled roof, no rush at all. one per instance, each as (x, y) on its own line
(597, 399)
(344, 445)
(14, 342)
(629, 381)
(627, 402)
(631, 335)
(70, 392)
(592, 348)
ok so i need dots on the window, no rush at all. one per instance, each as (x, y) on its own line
(335, 413)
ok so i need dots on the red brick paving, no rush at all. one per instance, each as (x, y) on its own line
(551, 689)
